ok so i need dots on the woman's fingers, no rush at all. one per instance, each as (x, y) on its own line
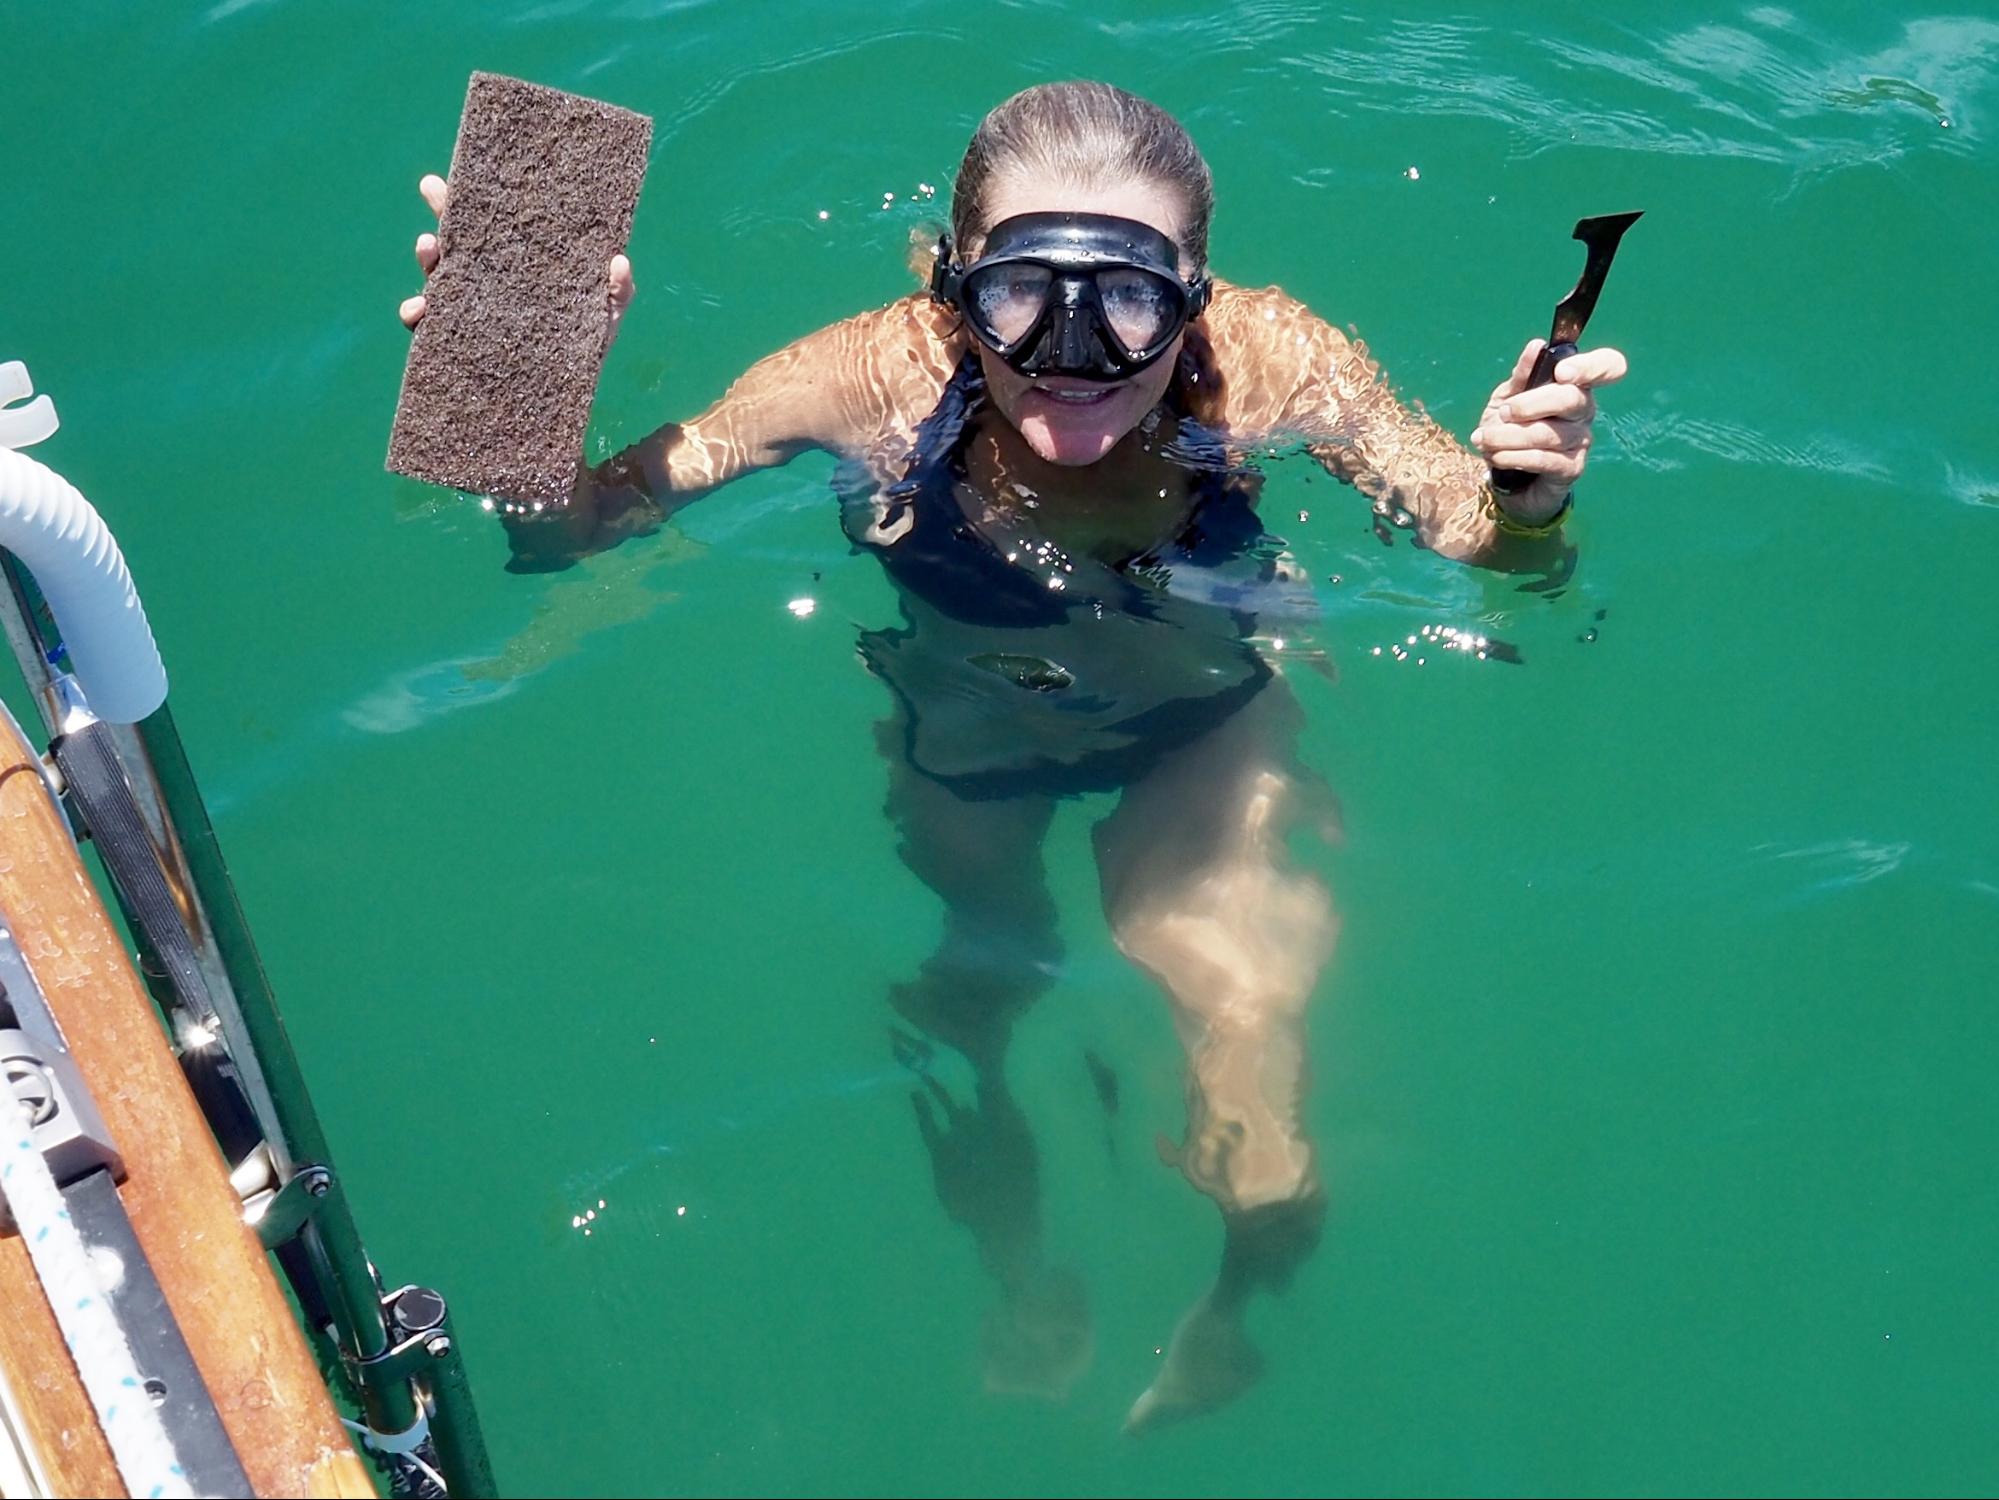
(1590, 367)
(428, 250)
(1546, 431)
(1580, 371)
(1547, 401)
(1539, 461)
(1516, 382)
(622, 287)
(1557, 436)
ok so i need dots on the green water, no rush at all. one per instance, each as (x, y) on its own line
(1653, 1073)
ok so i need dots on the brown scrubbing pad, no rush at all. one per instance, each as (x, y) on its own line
(496, 393)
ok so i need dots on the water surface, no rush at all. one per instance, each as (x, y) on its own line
(1652, 1077)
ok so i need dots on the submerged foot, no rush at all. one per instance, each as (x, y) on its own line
(1039, 1340)
(1209, 1363)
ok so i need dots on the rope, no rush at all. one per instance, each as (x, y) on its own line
(402, 1447)
(132, 1426)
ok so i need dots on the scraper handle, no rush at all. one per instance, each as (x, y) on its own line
(1513, 481)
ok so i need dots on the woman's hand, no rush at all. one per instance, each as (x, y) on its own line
(435, 192)
(1546, 431)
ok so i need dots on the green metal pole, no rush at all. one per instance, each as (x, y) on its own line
(461, 1445)
(331, 1239)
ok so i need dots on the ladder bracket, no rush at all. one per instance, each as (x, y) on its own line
(285, 1212)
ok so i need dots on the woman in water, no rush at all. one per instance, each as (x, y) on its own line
(1045, 451)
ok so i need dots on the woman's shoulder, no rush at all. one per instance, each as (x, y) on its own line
(890, 366)
(911, 342)
(1271, 352)
(1258, 316)
(916, 324)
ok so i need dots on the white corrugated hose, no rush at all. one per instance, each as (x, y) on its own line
(77, 565)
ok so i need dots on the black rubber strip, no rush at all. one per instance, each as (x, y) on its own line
(89, 764)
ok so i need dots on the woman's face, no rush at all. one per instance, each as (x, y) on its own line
(1066, 420)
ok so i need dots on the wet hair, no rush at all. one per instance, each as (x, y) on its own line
(1085, 134)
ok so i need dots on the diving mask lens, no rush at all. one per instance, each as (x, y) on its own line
(1008, 299)
(1139, 306)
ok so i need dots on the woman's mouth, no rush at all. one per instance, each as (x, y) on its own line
(1089, 395)
(1069, 421)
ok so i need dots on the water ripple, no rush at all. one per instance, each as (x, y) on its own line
(562, 10)
(1245, 27)
(1834, 866)
(615, 55)
(1840, 864)
(1662, 440)
(228, 8)
(698, 101)
(1771, 89)
(1968, 488)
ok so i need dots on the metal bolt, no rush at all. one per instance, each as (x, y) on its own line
(437, 1347)
(418, 1309)
(33, 1088)
(318, 1184)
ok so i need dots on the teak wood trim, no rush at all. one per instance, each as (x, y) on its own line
(216, 1277)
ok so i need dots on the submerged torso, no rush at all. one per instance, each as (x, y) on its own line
(1028, 664)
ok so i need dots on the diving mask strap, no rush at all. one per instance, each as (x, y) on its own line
(942, 268)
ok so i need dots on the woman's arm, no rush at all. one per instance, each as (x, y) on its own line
(1286, 374)
(856, 388)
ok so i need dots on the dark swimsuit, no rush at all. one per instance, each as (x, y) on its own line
(1022, 670)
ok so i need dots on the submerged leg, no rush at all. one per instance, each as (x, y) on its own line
(1202, 894)
(998, 954)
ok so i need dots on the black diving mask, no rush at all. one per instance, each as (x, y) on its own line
(1083, 295)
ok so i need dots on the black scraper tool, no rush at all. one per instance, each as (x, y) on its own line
(1601, 235)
